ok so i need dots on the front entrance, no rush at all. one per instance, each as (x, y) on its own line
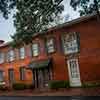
(41, 77)
(74, 74)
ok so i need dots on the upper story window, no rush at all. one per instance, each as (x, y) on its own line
(1, 57)
(10, 55)
(50, 45)
(35, 49)
(22, 52)
(70, 43)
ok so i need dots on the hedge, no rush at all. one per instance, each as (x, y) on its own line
(55, 84)
(22, 86)
(90, 85)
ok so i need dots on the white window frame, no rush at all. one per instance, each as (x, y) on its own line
(50, 45)
(74, 81)
(22, 52)
(1, 57)
(35, 49)
(70, 45)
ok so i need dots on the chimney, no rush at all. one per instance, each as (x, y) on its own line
(1, 42)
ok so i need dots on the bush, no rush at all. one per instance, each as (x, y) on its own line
(30, 86)
(58, 84)
(90, 85)
(22, 86)
(3, 88)
(19, 86)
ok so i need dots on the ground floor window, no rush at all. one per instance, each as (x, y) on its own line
(11, 75)
(1, 76)
(74, 73)
(22, 73)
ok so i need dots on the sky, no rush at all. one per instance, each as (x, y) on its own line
(7, 28)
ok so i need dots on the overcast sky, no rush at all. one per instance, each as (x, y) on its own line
(7, 28)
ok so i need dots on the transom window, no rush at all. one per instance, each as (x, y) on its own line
(22, 52)
(70, 43)
(50, 45)
(35, 49)
(1, 57)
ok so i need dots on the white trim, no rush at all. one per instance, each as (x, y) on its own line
(74, 82)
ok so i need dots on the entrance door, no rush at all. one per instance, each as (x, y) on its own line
(74, 74)
(41, 77)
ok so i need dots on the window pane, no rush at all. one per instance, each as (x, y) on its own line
(70, 43)
(22, 52)
(35, 49)
(11, 55)
(50, 45)
(1, 57)
(1, 76)
(11, 74)
(22, 73)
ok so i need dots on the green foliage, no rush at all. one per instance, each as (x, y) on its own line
(90, 85)
(22, 86)
(34, 16)
(19, 86)
(3, 88)
(6, 6)
(86, 6)
(55, 84)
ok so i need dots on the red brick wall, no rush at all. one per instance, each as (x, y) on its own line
(89, 56)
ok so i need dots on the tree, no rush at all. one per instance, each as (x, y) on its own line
(86, 6)
(34, 16)
(6, 6)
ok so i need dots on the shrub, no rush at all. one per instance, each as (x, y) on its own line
(22, 86)
(90, 85)
(3, 88)
(55, 84)
(30, 86)
(19, 86)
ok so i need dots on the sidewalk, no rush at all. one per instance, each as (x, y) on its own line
(67, 92)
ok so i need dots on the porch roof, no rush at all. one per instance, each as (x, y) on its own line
(39, 64)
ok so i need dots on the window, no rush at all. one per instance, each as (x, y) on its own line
(70, 43)
(1, 57)
(73, 64)
(22, 73)
(50, 45)
(11, 75)
(1, 76)
(10, 55)
(35, 49)
(22, 53)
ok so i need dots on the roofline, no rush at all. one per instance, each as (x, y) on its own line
(66, 24)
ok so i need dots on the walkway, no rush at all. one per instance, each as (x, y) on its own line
(67, 92)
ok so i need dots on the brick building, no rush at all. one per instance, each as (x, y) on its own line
(70, 51)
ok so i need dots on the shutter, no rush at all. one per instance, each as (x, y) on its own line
(78, 40)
